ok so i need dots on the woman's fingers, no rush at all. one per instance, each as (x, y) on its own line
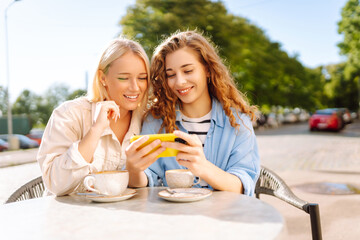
(185, 163)
(191, 140)
(146, 149)
(112, 110)
(149, 159)
(185, 156)
(142, 158)
(137, 143)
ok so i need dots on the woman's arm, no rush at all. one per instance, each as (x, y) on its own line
(63, 162)
(107, 110)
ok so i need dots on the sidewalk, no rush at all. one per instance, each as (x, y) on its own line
(316, 158)
(13, 158)
(339, 214)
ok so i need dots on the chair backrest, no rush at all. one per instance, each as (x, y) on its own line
(271, 184)
(33, 189)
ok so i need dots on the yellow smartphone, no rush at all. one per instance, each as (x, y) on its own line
(164, 137)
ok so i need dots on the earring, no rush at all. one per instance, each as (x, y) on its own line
(104, 84)
(208, 79)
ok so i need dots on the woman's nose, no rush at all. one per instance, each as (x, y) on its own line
(134, 85)
(180, 79)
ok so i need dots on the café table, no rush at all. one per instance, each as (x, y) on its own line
(223, 215)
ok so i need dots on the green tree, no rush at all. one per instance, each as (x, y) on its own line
(3, 101)
(55, 95)
(75, 94)
(26, 104)
(260, 67)
(349, 27)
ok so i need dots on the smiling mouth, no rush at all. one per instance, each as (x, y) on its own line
(184, 91)
(131, 97)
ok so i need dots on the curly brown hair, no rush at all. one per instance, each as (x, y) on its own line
(221, 84)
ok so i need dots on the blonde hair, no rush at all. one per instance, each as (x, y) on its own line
(116, 49)
(221, 85)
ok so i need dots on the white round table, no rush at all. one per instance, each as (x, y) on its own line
(223, 215)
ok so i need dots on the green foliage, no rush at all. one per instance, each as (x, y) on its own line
(3, 101)
(346, 77)
(26, 103)
(260, 67)
(39, 108)
(349, 26)
(342, 90)
(76, 94)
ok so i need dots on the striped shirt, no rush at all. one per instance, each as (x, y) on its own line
(198, 126)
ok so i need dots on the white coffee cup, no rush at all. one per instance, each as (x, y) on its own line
(180, 178)
(111, 183)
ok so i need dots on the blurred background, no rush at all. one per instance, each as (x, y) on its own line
(290, 57)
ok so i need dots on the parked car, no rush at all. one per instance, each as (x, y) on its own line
(345, 114)
(3, 145)
(25, 142)
(36, 135)
(326, 119)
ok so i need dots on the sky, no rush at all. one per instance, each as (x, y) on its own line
(60, 41)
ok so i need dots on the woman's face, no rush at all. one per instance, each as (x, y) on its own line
(187, 76)
(126, 81)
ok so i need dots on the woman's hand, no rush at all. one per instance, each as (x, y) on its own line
(191, 155)
(105, 111)
(139, 159)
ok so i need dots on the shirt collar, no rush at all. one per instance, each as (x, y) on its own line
(216, 113)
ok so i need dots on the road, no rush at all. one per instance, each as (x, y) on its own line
(294, 147)
(299, 157)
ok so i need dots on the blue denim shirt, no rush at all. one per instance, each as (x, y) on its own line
(234, 151)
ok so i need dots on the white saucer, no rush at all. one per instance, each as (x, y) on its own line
(185, 194)
(128, 193)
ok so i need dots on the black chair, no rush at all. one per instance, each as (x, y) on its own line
(271, 184)
(33, 189)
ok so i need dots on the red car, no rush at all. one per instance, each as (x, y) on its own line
(326, 119)
(36, 135)
(3, 145)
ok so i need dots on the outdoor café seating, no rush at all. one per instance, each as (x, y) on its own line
(33, 189)
(269, 183)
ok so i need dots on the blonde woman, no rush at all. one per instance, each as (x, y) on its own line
(196, 98)
(90, 134)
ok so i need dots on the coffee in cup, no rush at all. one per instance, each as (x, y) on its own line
(111, 183)
(180, 178)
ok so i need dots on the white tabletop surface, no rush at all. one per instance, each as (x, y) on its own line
(223, 215)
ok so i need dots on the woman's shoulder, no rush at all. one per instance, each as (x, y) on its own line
(241, 118)
(151, 124)
(77, 104)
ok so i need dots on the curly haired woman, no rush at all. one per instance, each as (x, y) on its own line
(195, 97)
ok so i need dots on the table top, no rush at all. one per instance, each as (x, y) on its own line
(223, 215)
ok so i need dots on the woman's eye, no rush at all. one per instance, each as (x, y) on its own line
(188, 71)
(123, 79)
(170, 76)
(143, 78)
